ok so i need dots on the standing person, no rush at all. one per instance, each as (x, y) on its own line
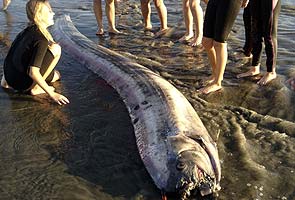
(265, 14)
(193, 14)
(247, 49)
(162, 13)
(219, 19)
(6, 4)
(29, 64)
(110, 13)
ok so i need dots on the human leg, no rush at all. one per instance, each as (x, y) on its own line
(97, 8)
(207, 41)
(220, 63)
(221, 60)
(146, 13)
(248, 34)
(110, 12)
(197, 13)
(50, 60)
(211, 53)
(267, 26)
(226, 13)
(162, 13)
(257, 41)
(270, 22)
(188, 21)
(276, 13)
(256, 33)
(47, 69)
(220, 29)
(6, 4)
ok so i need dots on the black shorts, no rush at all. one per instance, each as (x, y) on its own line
(21, 81)
(219, 18)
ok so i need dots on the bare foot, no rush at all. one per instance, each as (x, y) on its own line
(186, 37)
(114, 31)
(148, 28)
(100, 31)
(269, 76)
(36, 90)
(162, 32)
(209, 80)
(240, 54)
(4, 84)
(6, 4)
(252, 72)
(210, 88)
(196, 42)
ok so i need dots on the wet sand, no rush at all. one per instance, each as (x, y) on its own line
(87, 150)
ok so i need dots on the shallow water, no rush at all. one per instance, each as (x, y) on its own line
(87, 150)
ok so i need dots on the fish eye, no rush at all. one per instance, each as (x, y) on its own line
(180, 166)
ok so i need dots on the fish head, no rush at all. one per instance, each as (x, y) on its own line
(195, 165)
(195, 174)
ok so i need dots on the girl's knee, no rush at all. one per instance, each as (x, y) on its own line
(158, 3)
(194, 3)
(207, 43)
(110, 2)
(218, 44)
(55, 49)
(56, 76)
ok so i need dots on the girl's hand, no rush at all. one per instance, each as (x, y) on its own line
(58, 98)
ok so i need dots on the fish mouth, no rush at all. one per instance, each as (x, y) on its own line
(198, 181)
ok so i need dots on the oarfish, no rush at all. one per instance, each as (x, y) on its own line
(173, 143)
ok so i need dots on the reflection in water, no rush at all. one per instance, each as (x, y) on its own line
(5, 36)
(26, 163)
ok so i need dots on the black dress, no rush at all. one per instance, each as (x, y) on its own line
(30, 48)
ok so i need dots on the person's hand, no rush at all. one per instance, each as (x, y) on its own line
(244, 3)
(58, 98)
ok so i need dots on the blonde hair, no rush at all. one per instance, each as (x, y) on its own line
(34, 14)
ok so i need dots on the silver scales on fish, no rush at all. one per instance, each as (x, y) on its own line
(173, 143)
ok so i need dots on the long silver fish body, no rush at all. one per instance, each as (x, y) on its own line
(173, 143)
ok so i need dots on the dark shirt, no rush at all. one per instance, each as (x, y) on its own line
(28, 49)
